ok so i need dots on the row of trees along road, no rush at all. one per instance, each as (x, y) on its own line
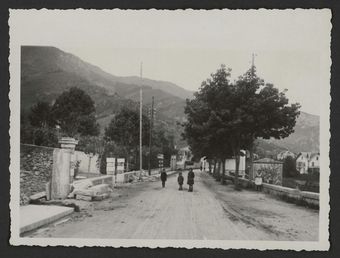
(225, 117)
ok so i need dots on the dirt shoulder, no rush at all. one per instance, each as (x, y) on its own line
(281, 220)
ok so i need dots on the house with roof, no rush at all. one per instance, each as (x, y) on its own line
(314, 163)
(284, 154)
(307, 161)
(302, 162)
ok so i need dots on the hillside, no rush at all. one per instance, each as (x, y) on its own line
(305, 136)
(47, 71)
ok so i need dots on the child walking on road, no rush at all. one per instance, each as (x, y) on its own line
(190, 182)
(163, 177)
(180, 180)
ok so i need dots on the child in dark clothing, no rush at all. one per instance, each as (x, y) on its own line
(180, 180)
(163, 177)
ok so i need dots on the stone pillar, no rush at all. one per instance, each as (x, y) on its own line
(69, 143)
(62, 168)
(60, 183)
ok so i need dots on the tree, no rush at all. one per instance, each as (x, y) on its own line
(74, 112)
(229, 117)
(206, 113)
(289, 167)
(41, 115)
(124, 131)
(163, 142)
(37, 126)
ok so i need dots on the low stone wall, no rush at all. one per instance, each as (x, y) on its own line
(293, 195)
(296, 196)
(35, 170)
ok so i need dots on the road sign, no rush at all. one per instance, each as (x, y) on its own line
(120, 165)
(110, 165)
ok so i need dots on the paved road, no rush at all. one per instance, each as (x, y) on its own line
(212, 211)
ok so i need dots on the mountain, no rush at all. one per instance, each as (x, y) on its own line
(305, 136)
(47, 71)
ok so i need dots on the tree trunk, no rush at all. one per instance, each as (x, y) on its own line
(209, 166)
(251, 168)
(127, 163)
(223, 172)
(218, 174)
(237, 159)
(214, 172)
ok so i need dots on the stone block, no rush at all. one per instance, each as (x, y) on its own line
(87, 192)
(84, 197)
(100, 189)
(38, 196)
(94, 190)
(101, 197)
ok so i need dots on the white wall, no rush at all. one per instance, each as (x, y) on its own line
(84, 162)
(314, 162)
(230, 165)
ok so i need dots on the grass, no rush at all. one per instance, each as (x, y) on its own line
(303, 182)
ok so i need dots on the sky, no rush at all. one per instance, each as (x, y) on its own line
(291, 46)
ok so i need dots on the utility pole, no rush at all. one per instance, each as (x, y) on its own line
(251, 151)
(253, 64)
(140, 120)
(150, 136)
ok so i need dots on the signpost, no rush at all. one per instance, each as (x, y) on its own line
(110, 166)
(160, 158)
(120, 165)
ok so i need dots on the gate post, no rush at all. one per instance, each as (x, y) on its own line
(63, 168)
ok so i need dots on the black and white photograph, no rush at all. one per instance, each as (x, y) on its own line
(170, 128)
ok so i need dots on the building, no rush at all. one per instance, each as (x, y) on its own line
(184, 155)
(308, 161)
(271, 170)
(284, 154)
(314, 163)
(302, 161)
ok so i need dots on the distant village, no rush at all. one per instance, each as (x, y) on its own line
(305, 161)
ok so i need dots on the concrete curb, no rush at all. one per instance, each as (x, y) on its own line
(35, 216)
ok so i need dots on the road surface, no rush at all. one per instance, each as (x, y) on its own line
(213, 211)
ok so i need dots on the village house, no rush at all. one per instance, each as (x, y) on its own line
(307, 161)
(284, 154)
(314, 163)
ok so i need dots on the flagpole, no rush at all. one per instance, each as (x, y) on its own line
(140, 120)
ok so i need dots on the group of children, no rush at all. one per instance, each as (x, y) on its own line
(180, 179)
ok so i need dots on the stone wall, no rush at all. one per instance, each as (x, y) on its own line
(293, 195)
(35, 170)
(296, 196)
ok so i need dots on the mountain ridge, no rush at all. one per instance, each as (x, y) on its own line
(47, 71)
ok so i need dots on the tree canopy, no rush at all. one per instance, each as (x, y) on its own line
(124, 128)
(40, 115)
(74, 112)
(225, 117)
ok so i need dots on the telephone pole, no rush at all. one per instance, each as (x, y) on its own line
(150, 136)
(140, 120)
(253, 64)
(251, 147)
